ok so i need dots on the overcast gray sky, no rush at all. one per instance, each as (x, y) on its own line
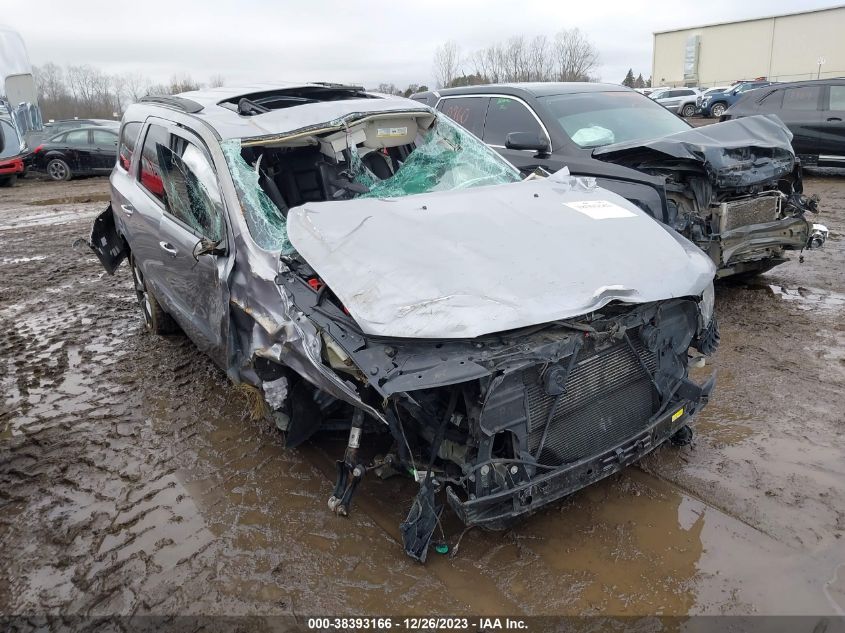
(348, 41)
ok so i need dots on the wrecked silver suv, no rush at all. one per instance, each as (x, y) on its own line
(363, 262)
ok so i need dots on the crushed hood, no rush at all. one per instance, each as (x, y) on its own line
(464, 263)
(735, 153)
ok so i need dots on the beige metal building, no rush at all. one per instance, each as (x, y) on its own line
(787, 47)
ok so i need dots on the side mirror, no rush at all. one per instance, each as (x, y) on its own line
(207, 247)
(527, 141)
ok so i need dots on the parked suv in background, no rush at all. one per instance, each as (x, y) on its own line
(716, 104)
(678, 100)
(814, 111)
(734, 189)
(708, 94)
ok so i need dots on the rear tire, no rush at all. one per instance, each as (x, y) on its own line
(58, 170)
(688, 110)
(156, 320)
(718, 110)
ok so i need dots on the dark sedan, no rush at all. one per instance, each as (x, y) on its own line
(82, 152)
(734, 189)
(814, 111)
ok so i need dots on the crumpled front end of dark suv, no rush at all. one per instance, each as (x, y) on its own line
(734, 189)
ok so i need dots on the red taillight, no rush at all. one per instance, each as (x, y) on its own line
(37, 149)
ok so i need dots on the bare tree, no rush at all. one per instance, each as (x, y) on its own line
(538, 63)
(446, 63)
(215, 81)
(136, 86)
(575, 56)
(182, 82)
(388, 89)
(50, 79)
(571, 57)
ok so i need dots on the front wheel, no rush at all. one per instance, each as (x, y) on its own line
(8, 181)
(688, 110)
(718, 110)
(57, 169)
(156, 320)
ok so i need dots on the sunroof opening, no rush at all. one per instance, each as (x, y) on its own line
(261, 102)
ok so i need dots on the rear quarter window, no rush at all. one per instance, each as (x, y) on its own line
(128, 139)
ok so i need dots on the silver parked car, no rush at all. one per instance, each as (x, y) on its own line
(363, 262)
(678, 100)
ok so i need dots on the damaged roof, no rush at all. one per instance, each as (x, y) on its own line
(218, 107)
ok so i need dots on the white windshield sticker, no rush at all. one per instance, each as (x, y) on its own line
(391, 132)
(600, 209)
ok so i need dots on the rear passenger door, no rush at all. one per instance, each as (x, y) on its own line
(832, 127)
(78, 151)
(179, 174)
(799, 108)
(105, 149)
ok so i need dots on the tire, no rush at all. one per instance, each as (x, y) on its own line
(718, 109)
(156, 320)
(8, 181)
(688, 110)
(58, 170)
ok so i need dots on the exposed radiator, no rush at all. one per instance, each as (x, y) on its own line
(739, 213)
(609, 397)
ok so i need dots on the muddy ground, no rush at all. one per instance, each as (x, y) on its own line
(132, 482)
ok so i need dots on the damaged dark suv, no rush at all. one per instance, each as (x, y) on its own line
(362, 261)
(733, 189)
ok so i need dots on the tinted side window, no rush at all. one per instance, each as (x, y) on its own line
(837, 98)
(505, 116)
(150, 171)
(806, 98)
(467, 111)
(128, 138)
(77, 137)
(104, 138)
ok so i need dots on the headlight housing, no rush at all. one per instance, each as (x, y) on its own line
(706, 305)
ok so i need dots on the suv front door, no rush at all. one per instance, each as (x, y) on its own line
(832, 127)
(192, 288)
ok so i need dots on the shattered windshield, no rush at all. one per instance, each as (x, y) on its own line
(446, 157)
(265, 220)
(372, 161)
(594, 119)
